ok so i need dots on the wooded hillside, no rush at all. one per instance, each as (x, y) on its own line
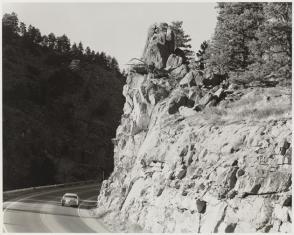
(61, 106)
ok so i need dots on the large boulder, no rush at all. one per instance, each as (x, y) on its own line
(206, 99)
(198, 78)
(159, 45)
(177, 101)
(189, 79)
(187, 112)
(173, 62)
(179, 72)
(195, 94)
(219, 93)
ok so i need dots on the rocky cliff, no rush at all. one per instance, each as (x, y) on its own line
(194, 153)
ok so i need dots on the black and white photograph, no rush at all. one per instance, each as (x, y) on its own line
(146, 117)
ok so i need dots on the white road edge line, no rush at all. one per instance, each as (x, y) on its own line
(4, 228)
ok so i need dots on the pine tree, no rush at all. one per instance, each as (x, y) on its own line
(22, 29)
(97, 57)
(30, 33)
(108, 61)
(34, 35)
(92, 55)
(37, 36)
(272, 50)
(252, 41)
(52, 41)
(81, 48)
(45, 41)
(88, 53)
(10, 23)
(103, 59)
(182, 40)
(63, 44)
(201, 55)
(237, 24)
(74, 50)
(114, 64)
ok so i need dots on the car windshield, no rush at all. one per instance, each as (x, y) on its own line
(70, 196)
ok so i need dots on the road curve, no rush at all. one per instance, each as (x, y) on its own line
(41, 212)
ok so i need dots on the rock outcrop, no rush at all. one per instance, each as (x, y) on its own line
(159, 45)
(175, 171)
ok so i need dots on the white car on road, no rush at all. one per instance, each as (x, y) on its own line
(70, 199)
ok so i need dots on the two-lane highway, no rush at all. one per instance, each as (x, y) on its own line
(41, 212)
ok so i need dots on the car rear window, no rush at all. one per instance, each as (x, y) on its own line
(74, 197)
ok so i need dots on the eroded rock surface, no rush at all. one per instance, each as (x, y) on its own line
(177, 172)
(159, 45)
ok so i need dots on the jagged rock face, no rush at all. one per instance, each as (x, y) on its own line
(179, 72)
(159, 45)
(184, 175)
(191, 79)
(176, 172)
(173, 61)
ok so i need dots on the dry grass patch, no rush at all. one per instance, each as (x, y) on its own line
(264, 112)
(257, 104)
(261, 104)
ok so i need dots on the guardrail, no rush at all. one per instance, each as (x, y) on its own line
(14, 193)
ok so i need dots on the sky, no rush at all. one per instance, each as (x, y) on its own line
(119, 29)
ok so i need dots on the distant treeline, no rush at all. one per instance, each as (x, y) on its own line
(60, 44)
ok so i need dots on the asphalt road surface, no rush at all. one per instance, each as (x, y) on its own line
(41, 212)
